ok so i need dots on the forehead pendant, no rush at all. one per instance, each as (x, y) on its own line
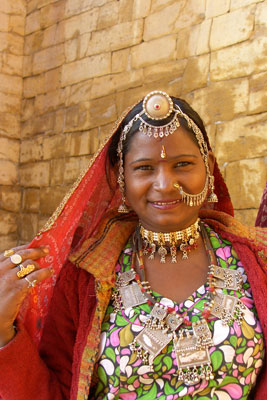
(158, 106)
(163, 152)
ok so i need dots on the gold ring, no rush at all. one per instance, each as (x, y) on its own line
(16, 259)
(176, 185)
(31, 283)
(23, 271)
(9, 253)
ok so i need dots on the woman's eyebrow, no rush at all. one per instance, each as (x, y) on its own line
(169, 158)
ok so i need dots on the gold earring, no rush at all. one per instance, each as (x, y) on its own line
(212, 198)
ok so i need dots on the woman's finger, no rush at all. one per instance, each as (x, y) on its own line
(21, 255)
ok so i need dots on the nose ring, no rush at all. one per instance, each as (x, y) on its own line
(177, 186)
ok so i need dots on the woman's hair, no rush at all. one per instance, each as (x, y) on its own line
(112, 155)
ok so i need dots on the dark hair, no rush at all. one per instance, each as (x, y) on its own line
(112, 156)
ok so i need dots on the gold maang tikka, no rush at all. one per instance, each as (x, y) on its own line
(163, 152)
(158, 106)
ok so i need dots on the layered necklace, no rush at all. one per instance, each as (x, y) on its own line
(163, 325)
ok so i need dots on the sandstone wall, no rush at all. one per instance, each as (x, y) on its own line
(12, 20)
(85, 61)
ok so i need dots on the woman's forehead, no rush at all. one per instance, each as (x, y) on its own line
(179, 142)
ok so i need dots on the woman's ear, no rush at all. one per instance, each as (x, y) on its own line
(211, 161)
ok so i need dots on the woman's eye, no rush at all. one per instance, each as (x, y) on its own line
(143, 168)
(183, 164)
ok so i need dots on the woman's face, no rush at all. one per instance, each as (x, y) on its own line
(149, 179)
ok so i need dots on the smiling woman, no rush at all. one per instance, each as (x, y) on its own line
(168, 300)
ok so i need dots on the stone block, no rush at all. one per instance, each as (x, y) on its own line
(35, 174)
(83, 143)
(13, 7)
(86, 68)
(9, 149)
(47, 59)
(215, 8)
(50, 101)
(33, 42)
(176, 16)
(188, 41)
(196, 73)
(8, 222)
(57, 168)
(33, 85)
(157, 5)
(241, 138)
(77, 118)
(17, 24)
(102, 111)
(104, 131)
(4, 22)
(8, 173)
(10, 198)
(258, 93)
(72, 7)
(232, 28)
(72, 50)
(28, 227)
(245, 180)
(125, 10)
(32, 23)
(31, 200)
(10, 125)
(9, 103)
(170, 70)
(220, 101)
(154, 52)
(11, 84)
(59, 121)
(11, 43)
(203, 37)
(117, 37)
(27, 66)
(120, 60)
(247, 217)
(28, 110)
(11, 64)
(261, 14)
(56, 146)
(240, 60)
(114, 83)
(80, 24)
(141, 8)
(242, 3)
(31, 150)
(52, 80)
(108, 15)
(53, 35)
(50, 199)
(79, 92)
(211, 131)
(7, 242)
(52, 13)
(72, 169)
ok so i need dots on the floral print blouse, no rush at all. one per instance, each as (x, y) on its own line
(236, 356)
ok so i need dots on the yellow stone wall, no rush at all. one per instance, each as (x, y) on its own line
(85, 61)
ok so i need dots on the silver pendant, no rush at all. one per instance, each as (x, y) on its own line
(173, 321)
(156, 317)
(132, 295)
(227, 278)
(125, 277)
(162, 253)
(203, 334)
(228, 309)
(149, 343)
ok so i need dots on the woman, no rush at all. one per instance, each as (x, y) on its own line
(163, 304)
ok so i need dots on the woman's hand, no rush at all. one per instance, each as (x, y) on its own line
(15, 283)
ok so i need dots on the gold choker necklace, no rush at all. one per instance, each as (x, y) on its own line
(184, 241)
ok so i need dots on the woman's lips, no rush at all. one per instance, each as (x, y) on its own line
(165, 205)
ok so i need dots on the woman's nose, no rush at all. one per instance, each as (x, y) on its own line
(164, 180)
